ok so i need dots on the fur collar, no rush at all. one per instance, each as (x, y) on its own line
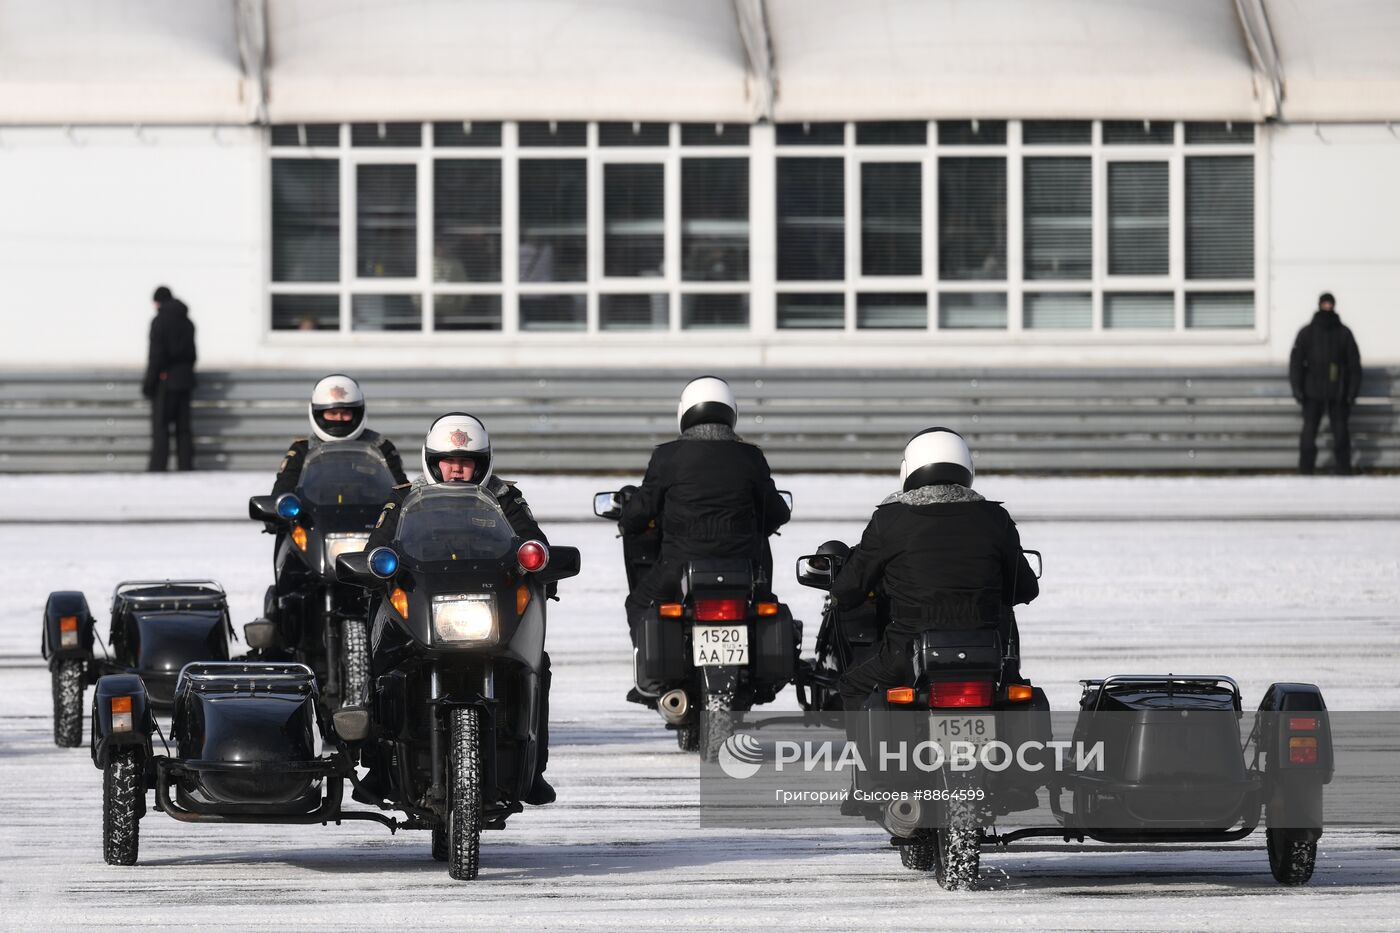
(932, 495)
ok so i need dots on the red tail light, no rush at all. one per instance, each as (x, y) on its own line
(720, 610)
(1296, 723)
(1302, 751)
(950, 694)
(532, 556)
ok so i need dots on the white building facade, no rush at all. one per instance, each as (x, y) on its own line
(728, 182)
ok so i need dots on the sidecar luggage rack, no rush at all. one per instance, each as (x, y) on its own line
(1168, 680)
(269, 677)
(171, 594)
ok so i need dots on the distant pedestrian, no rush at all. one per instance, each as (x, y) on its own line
(169, 381)
(1325, 373)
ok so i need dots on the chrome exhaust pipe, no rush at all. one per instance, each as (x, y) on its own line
(673, 706)
(902, 817)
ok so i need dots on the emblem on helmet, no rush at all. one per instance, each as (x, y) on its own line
(339, 393)
(459, 438)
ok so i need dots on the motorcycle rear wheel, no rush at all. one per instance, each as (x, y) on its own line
(958, 848)
(354, 663)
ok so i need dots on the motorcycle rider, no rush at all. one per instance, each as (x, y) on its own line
(337, 413)
(944, 557)
(713, 495)
(457, 450)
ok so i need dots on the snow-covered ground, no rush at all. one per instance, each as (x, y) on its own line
(1261, 578)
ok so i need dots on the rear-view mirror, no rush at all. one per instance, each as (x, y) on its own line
(263, 509)
(786, 497)
(563, 563)
(1034, 559)
(607, 505)
(816, 571)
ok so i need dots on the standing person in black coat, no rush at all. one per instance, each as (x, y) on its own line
(943, 557)
(1324, 371)
(712, 494)
(169, 381)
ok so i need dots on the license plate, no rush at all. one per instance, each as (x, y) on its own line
(977, 728)
(720, 645)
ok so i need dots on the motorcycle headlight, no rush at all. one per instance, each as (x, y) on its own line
(344, 543)
(470, 617)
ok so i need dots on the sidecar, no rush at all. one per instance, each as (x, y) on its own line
(157, 627)
(251, 744)
(1181, 762)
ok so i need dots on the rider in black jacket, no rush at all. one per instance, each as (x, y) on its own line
(943, 557)
(710, 491)
(458, 450)
(337, 413)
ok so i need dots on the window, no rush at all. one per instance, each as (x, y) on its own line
(553, 220)
(1220, 217)
(989, 230)
(1141, 310)
(633, 223)
(812, 311)
(972, 218)
(1058, 212)
(1137, 218)
(1058, 311)
(715, 220)
(811, 219)
(891, 223)
(972, 311)
(305, 220)
(386, 221)
(467, 220)
(634, 312)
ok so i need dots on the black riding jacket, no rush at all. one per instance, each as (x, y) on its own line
(712, 498)
(1325, 363)
(289, 473)
(940, 565)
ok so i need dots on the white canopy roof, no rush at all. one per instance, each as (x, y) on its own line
(121, 61)
(1341, 58)
(209, 61)
(506, 59)
(914, 59)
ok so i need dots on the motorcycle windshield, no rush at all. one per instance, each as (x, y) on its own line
(440, 524)
(349, 475)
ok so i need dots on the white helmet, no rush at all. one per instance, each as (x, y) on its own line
(337, 391)
(936, 456)
(707, 400)
(457, 435)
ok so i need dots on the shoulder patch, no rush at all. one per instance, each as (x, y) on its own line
(402, 486)
(283, 465)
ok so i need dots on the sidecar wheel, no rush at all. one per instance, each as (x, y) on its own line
(354, 663)
(688, 737)
(1291, 860)
(68, 704)
(123, 793)
(464, 794)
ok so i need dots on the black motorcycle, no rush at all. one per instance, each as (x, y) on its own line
(309, 616)
(965, 679)
(726, 646)
(452, 730)
(157, 627)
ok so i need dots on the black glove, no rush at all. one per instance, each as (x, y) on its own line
(626, 492)
(1298, 397)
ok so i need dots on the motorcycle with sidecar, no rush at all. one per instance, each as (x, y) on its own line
(452, 729)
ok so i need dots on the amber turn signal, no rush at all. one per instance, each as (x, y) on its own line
(1019, 693)
(121, 704)
(670, 610)
(901, 696)
(767, 609)
(299, 537)
(399, 600)
(522, 599)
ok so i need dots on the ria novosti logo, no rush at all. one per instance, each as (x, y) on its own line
(741, 756)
